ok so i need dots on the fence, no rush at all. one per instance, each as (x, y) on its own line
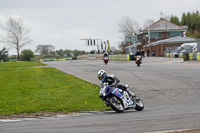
(119, 57)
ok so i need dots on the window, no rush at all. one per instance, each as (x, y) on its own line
(155, 34)
(128, 39)
(174, 34)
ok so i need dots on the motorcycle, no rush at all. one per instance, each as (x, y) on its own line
(105, 59)
(138, 60)
(119, 100)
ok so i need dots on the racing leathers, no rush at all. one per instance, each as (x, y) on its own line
(105, 55)
(115, 82)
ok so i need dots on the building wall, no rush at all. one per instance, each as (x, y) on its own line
(164, 35)
(160, 49)
(123, 50)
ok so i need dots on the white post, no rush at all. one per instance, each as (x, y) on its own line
(149, 33)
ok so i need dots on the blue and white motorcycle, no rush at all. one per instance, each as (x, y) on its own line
(118, 99)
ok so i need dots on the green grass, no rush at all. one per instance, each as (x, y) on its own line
(25, 89)
(20, 64)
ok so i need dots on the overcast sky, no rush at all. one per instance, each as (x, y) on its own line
(63, 23)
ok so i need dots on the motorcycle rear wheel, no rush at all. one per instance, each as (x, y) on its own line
(116, 104)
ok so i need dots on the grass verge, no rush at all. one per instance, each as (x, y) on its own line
(25, 89)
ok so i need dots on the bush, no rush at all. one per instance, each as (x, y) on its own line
(26, 55)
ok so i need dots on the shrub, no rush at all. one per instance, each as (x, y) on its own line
(26, 55)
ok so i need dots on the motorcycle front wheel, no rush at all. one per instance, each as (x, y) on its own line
(139, 104)
(115, 104)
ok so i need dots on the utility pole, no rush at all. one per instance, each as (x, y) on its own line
(149, 33)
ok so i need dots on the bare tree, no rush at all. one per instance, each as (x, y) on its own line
(148, 23)
(44, 49)
(17, 34)
(128, 27)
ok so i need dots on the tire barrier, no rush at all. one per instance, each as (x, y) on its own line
(174, 55)
(198, 56)
(119, 57)
(181, 55)
(191, 56)
(186, 56)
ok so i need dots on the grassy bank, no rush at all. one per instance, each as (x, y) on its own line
(25, 89)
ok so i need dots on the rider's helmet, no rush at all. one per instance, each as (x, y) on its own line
(102, 75)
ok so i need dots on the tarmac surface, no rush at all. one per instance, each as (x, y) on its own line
(170, 90)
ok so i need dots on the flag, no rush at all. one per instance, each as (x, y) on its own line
(102, 46)
(105, 45)
(108, 46)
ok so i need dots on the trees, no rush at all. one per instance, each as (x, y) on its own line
(17, 34)
(192, 20)
(60, 53)
(78, 52)
(67, 52)
(44, 49)
(26, 55)
(175, 20)
(128, 27)
(148, 23)
(52, 53)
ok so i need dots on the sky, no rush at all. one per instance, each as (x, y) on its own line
(63, 23)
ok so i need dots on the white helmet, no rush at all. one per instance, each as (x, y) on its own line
(102, 75)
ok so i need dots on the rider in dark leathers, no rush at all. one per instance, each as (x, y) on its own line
(138, 53)
(105, 55)
(113, 81)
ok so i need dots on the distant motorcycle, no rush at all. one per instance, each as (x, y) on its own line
(119, 100)
(138, 60)
(105, 59)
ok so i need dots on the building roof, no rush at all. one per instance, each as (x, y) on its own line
(165, 25)
(177, 39)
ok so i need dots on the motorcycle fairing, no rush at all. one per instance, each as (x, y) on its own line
(127, 102)
(117, 93)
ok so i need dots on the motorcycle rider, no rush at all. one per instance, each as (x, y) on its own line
(138, 53)
(105, 55)
(113, 81)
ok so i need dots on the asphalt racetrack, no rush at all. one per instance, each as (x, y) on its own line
(170, 90)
